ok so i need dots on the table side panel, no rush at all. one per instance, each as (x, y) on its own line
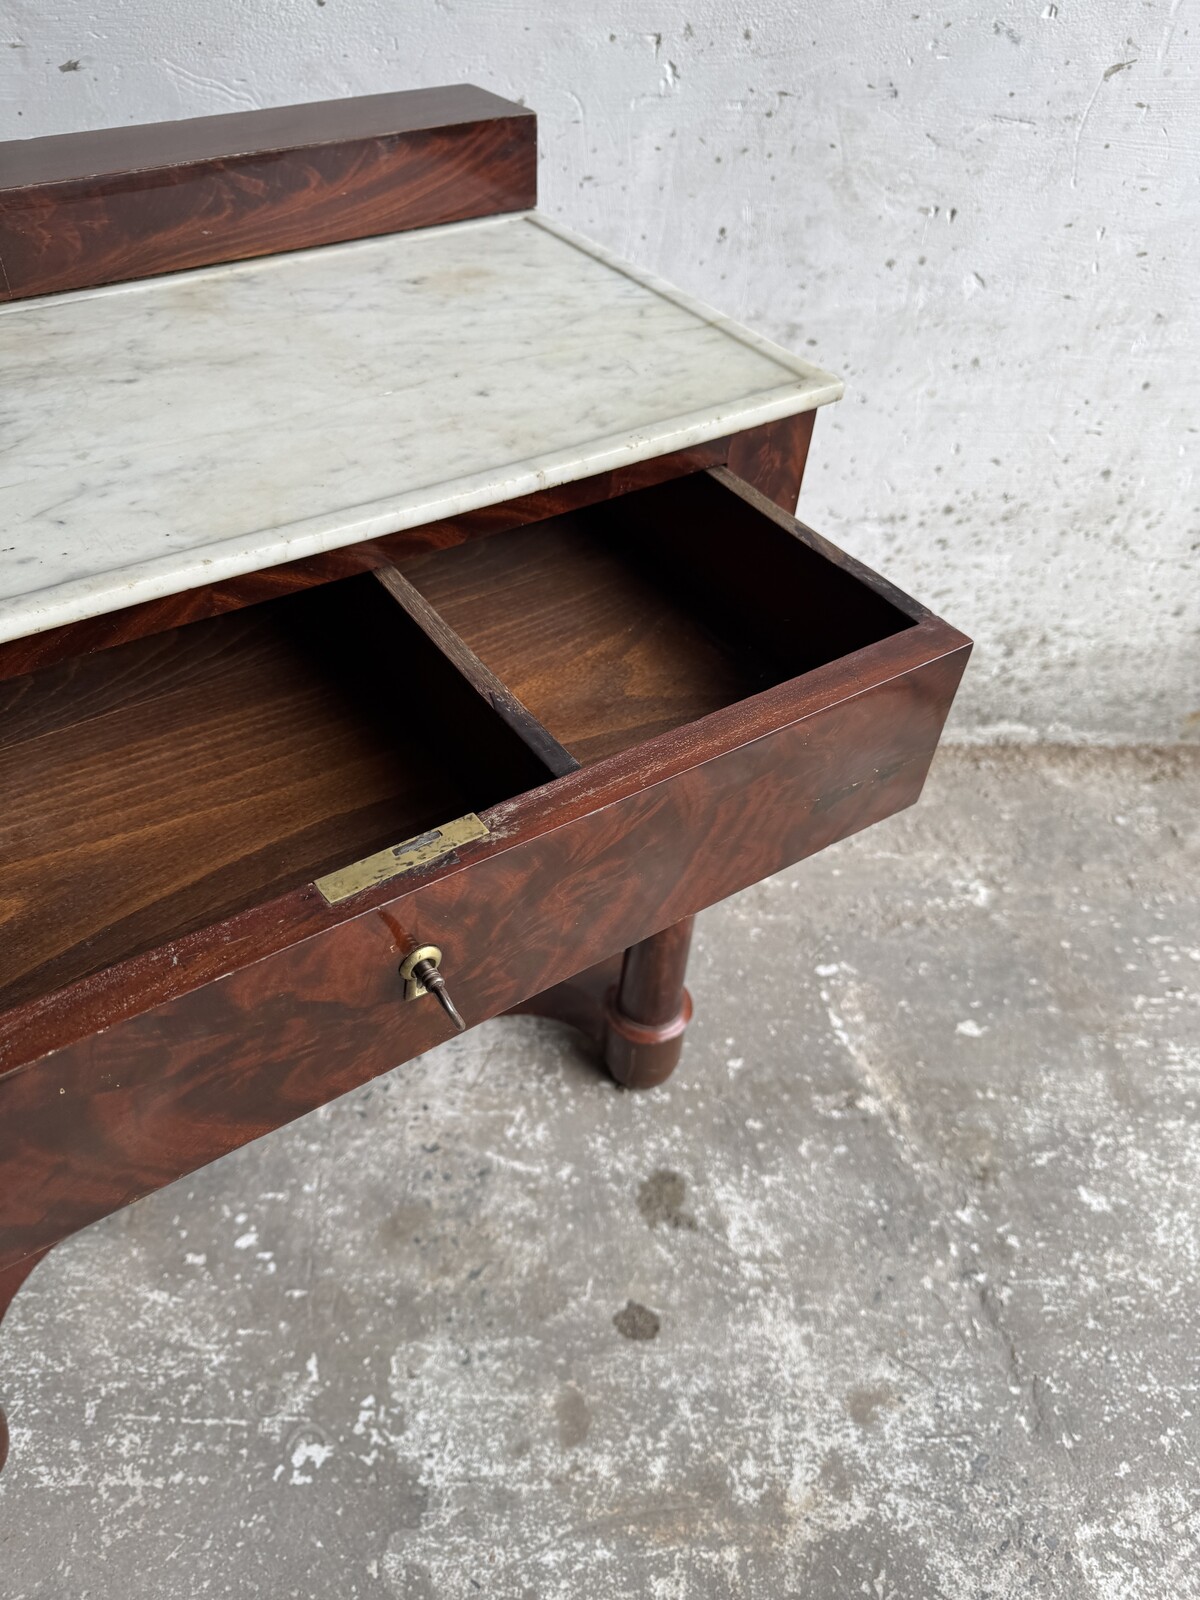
(773, 457)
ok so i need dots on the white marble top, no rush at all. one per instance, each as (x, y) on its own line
(160, 435)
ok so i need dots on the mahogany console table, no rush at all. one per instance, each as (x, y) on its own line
(402, 622)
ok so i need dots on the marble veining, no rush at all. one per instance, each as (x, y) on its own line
(161, 435)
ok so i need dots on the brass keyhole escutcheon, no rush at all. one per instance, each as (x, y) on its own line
(419, 969)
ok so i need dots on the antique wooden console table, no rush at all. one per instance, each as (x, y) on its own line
(401, 622)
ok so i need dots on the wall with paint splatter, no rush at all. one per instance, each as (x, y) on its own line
(986, 220)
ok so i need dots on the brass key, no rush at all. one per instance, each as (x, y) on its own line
(419, 969)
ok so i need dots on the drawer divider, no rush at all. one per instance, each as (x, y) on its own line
(533, 734)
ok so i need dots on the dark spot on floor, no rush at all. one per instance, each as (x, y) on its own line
(834, 1477)
(866, 1401)
(660, 1199)
(637, 1322)
(69, 66)
(415, 1583)
(406, 1226)
(573, 1417)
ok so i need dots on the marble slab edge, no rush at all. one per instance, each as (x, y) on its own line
(22, 616)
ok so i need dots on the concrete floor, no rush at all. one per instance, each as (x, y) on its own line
(891, 1292)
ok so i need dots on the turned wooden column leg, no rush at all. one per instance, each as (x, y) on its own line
(11, 1280)
(649, 1009)
(635, 1006)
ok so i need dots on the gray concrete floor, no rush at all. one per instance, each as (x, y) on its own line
(891, 1292)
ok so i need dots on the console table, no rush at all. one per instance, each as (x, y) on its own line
(402, 622)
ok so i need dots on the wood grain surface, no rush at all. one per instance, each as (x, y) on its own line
(169, 783)
(774, 456)
(591, 636)
(617, 623)
(497, 695)
(78, 210)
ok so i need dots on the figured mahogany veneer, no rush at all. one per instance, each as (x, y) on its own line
(82, 209)
(773, 457)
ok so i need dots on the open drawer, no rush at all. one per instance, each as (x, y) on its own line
(640, 708)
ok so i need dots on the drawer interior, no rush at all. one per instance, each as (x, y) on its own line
(160, 786)
(633, 617)
(151, 789)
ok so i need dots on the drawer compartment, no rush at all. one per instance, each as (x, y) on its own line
(170, 783)
(623, 621)
(650, 705)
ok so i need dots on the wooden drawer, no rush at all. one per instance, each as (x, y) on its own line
(648, 704)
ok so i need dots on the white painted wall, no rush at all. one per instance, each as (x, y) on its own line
(986, 219)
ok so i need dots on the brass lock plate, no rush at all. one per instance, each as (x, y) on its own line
(399, 859)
